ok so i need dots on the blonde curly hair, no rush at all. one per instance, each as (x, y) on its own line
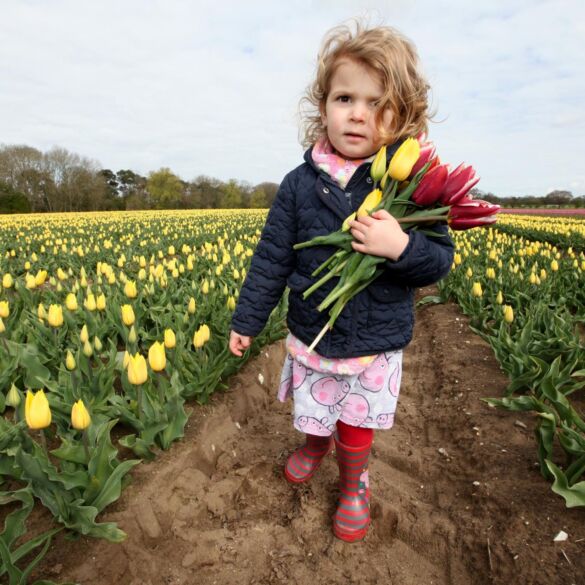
(393, 58)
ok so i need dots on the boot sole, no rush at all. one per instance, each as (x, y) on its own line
(353, 536)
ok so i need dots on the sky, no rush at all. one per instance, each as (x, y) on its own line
(212, 87)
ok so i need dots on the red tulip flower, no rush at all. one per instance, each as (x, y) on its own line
(459, 183)
(431, 187)
(469, 213)
(427, 154)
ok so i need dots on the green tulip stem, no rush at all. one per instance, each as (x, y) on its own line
(44, 441)
(329, 260)
(4, 343)
(317, 339)
(334, 272)
(161, 394)
(139, 401)
(90, 370)
(424, 219)
(74, 385)
(85, 441)
(16, 414)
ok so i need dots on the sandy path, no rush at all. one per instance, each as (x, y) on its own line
(216, 509)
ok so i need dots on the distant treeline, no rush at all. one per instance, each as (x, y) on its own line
(59, 180)
(554, 199)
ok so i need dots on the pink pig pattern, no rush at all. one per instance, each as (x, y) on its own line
(394, 381)
(330, 392)
(373, 377)
(299, 374)
(312, 426)
(356, 410)
(323, 393)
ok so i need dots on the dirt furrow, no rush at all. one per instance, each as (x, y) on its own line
(456, 498)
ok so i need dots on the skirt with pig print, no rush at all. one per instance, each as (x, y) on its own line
(362, 392)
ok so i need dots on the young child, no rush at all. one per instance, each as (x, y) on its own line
(368, 92)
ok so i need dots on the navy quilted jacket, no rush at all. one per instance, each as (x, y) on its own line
(310, 203)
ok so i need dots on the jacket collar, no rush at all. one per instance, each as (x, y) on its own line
(325, 184)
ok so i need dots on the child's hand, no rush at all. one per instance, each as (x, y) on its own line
(239, 343)
(379, 235)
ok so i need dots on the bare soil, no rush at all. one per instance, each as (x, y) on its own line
(457, 497)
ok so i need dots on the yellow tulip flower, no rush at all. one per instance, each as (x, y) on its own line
(132, 335)
(4, 309)
(7, 281)
(137, 372)
(130, 289)
(508, 314)
(404, 159)
(40, 277)
(71, 302)
(156, 356)
(372, 200)
(80, 418)
(30, 282)
(128, 315)
(13, 397)
(231, 303)
(84, 335)
(55, 317)
(70, 361)
(2, 326)
(345, 225)
(87, 349)
(378, 167)
(198, 340)
(126, 360)
(170, 339)
(36, 410)
(476, 290)
(101, 302)
(90, 303)
(191, 306)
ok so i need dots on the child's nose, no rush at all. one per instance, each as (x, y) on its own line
(359, 112)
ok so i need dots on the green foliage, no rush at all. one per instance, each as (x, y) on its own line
(164, 188)
(12, 201)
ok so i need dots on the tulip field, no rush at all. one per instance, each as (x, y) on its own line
(112, 324)
(108, 324)
(525, 293)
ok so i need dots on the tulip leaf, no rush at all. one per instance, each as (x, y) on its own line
(573, 495)
(112, 487)
(430, 300)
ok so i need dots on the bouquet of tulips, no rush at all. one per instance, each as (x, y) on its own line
(418, 190)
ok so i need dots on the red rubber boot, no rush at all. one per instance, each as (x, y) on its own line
(303, 463)
(352, 517)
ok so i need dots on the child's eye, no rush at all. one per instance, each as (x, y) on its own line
(343, 99)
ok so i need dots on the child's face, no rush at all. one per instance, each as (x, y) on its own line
(350, 110)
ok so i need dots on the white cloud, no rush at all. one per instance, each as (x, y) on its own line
(212, 88)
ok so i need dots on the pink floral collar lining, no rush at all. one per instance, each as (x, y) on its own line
(338, 168)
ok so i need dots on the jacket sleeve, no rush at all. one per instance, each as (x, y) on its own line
(425, 260)
(272, 263)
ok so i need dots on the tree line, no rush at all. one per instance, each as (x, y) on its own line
(554, 199)
(59, 180)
